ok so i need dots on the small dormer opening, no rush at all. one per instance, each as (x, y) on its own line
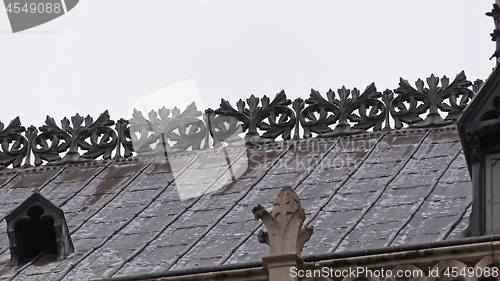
(35, 228)
(35, 235)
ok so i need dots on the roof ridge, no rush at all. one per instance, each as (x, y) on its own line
(261, 120)
(275, 144)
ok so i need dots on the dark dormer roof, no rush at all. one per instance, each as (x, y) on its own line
(36, 198)
(50, 234)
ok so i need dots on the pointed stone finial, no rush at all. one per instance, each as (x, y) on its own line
(285, 235)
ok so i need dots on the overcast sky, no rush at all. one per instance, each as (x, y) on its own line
(110, 54)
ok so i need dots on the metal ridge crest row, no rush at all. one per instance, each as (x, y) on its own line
(254, 121)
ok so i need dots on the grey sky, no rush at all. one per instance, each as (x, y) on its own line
(107, 54)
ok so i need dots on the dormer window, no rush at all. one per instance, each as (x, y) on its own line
(37, 228)
(492, 192)
(479, 129)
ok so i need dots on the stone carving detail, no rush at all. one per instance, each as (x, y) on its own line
(411, 103)
(285, 235)
(14, 145)
(263, 120)
(280, 118)
(284, 226)
(342, 110)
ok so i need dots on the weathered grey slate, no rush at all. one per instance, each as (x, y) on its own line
(133, 217)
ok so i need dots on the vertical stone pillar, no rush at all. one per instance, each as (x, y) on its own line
(284, 235)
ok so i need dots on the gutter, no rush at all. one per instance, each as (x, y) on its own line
(470, 249)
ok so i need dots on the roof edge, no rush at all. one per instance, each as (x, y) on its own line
(258, 266)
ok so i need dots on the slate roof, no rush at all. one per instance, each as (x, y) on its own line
(366, 191)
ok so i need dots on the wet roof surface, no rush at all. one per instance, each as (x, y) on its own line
(145, 215)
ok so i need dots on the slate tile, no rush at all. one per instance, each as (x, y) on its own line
(459, 162)
(105, 259)
(437, 150)
(391, 155)
(428, 226)
(428, 166)
(336, 219)
(402, 140)
(278, 181)
(97, 230)
(151, 181)
(128, 241)
(77, 174)
(293, 164)
(373, 231)
(405, 180)
(361, 245)
(234, 229)
(443, 137)
(351, 201)
(323, 241)
(14, 196)
(30, 180)
(104, 186)
(444, 191)
(384, 214)
(7, 208)
(457, 232)
(180, 236)
(4, 240)
(341, 161)
(454, 175)
(88, 273)
(441, 208)
(216, 200)
(200, 217)
(312, 205)
(320, 189)
(415, 239)
(349, 145)
(120, 170)
(83, 245)
(196, 263)
(162, 208)
(252, 250)
(364, 185)
(260, 196)
(4, 177)
(217, 248)
(369, 171)
(53, 191)
(399, 196)
(160, 255)
(133, 198)
(141, 224)
(116, 214)
(163, 167)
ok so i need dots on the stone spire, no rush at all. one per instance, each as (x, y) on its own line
(285, 235)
